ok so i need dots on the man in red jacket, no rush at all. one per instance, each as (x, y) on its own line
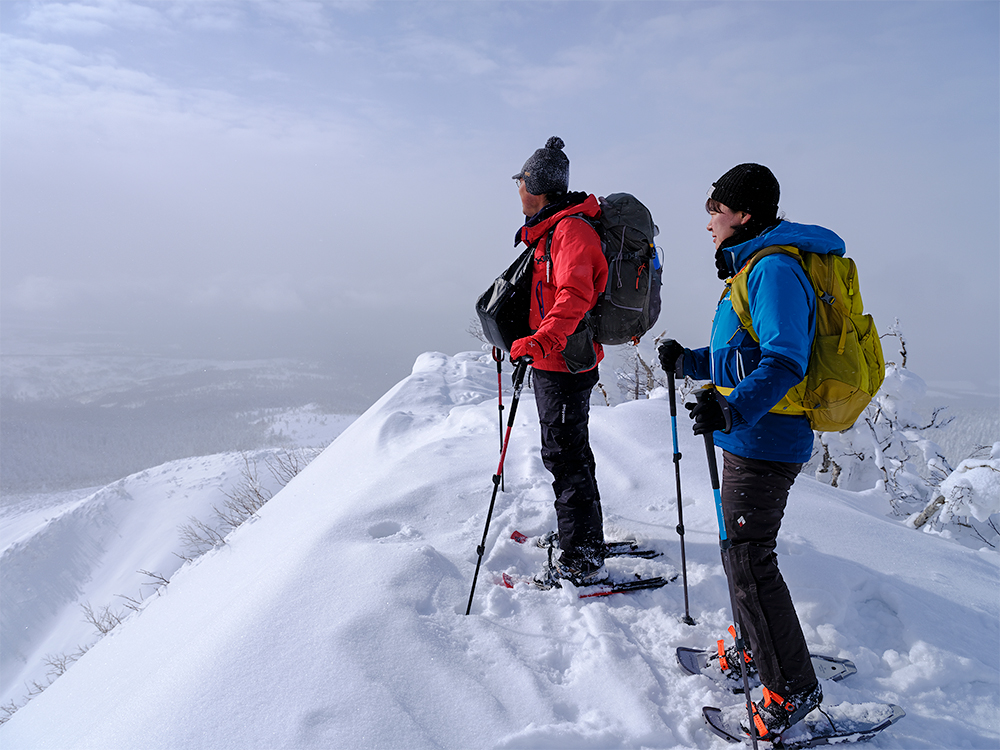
(570, 272)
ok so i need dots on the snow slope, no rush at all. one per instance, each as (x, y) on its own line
(89, 551)
(336, 620)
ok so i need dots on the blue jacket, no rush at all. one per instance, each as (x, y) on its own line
(783, 310)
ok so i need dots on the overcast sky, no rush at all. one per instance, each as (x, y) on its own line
(332, 180)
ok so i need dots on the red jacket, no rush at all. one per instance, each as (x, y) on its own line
(563, 292)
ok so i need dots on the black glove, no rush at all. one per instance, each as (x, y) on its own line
(711, 413)
(672, 357)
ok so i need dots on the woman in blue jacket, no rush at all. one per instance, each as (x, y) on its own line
(763, 448)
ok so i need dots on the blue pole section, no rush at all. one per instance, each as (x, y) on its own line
(713, 472)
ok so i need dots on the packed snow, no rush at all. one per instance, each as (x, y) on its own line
(335, 618)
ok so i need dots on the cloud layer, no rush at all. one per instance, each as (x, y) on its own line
(221, 172)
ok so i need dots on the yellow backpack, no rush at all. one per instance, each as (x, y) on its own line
(846, 366)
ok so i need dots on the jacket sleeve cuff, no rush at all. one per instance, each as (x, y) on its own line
(546, 343)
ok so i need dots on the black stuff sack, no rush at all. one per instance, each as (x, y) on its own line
(503, 308)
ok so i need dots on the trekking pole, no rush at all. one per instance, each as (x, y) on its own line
(725, 545)
(520, 368)
(498, 358)
(687, 619)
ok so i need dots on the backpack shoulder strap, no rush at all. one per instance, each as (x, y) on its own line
(739, 294)
(547, 257)
(771, 250)
(593, 223)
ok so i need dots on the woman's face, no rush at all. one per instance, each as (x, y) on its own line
(723, 222)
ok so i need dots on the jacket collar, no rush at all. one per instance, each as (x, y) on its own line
(808, 238)
(574, 203)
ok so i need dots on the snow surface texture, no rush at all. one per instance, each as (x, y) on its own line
(337, 620)
(57, 558)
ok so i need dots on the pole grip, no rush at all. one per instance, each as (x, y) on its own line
(673, 401)
(713, 467)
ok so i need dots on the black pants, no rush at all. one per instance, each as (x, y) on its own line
(563, 401)
(754, 494)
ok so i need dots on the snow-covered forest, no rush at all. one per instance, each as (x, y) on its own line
(173, 608)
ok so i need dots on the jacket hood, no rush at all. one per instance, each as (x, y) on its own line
(536, 227)
(808, 238)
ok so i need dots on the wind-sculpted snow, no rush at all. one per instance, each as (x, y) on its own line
(336, 620)
(89, 552)
(47, 570)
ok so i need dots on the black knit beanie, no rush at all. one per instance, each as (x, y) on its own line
(748, 187)
(547, 170)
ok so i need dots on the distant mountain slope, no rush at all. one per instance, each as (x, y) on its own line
(78, 420)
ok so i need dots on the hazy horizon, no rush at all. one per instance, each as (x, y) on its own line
(266, 179)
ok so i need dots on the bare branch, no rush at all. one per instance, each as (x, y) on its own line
(158, 580)
(59, 663)
(475, 329)
(600, 387)
(104, 619)
(932, 507)
(197, 537)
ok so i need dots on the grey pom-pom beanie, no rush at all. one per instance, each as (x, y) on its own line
(547, 170)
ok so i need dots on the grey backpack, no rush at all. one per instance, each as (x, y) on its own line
(630, 304)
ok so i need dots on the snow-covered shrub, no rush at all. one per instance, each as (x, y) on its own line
(890, 446)
(973, 488)
(969, 495)
(636, 378)
(244, 499)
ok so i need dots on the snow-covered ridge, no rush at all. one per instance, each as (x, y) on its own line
(336, 618)
(89, 552)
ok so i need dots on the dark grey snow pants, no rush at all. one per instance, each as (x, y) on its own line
(754, 494)
(563, 401)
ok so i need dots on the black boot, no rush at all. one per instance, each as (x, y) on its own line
(773, 714)
(729, 659)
